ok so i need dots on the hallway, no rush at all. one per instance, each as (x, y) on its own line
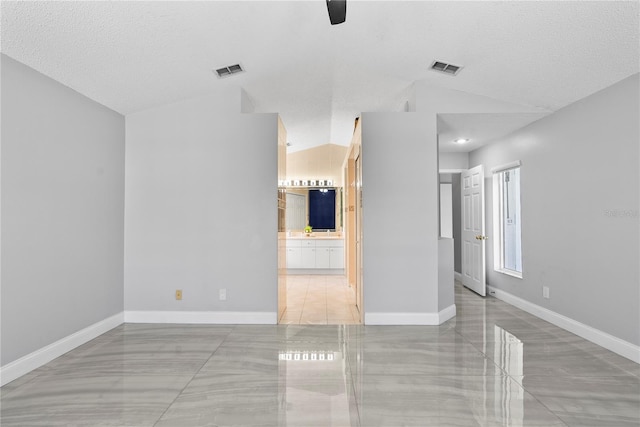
(491, 365)
(320, 300)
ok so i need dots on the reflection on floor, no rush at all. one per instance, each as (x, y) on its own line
(320, 300)
(492, 365)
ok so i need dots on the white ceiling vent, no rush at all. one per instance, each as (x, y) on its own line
(443, 67)
(228, 71)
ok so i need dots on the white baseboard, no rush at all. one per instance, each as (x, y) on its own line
(315, 271)
(457, 276)
(203, 317)
(603, 339)
(425, 319)
(447, 313)
(34, 360)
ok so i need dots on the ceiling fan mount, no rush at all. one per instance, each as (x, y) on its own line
(337, 11)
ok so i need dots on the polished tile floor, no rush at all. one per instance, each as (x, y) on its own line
(492, 365)
(320, 300)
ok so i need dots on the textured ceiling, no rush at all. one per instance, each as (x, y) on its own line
(131, 56)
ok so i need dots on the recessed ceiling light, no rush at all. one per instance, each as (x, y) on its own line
(461, 140)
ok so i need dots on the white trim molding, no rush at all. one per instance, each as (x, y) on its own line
(446, 314)
(603, 339)
(506, 166)
(44, 355)
(457, 276)
(422, 319)
(203, 317)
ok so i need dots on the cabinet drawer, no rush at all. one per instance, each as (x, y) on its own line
(294, 243)
(329, 243)
(308, 243)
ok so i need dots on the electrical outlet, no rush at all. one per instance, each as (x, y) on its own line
(223, 294)
(178, 294)
(545, 292)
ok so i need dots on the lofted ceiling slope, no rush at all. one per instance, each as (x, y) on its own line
(131, 56)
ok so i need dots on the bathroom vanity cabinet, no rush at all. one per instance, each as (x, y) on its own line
(315, 253)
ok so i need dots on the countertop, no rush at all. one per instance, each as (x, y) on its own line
(318, 236)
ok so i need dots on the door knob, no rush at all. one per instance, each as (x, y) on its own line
(481, 237)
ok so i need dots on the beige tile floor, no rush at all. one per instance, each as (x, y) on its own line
(320, 300)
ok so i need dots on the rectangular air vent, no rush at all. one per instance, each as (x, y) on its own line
(443, 67)
(227, 71)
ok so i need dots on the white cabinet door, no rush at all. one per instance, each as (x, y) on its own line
(311, 253)
(336, 258)
(323, 255)
(308, 257)
(294, 257)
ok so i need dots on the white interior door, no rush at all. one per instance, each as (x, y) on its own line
(473, 237)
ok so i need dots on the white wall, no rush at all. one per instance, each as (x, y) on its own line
(62, 211)
(400, 217)
(200, 215)
(580, 203)
(446, 210)
(440, 100)
(453, 161)
(446, 292)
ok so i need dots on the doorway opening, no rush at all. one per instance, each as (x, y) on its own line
(315, 284)
(461, 218)
(451, 216)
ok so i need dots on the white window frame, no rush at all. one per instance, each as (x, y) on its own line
(498, 226)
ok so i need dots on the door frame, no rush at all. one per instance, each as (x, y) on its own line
(350, 194)
(353, 224)
(359, 235)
